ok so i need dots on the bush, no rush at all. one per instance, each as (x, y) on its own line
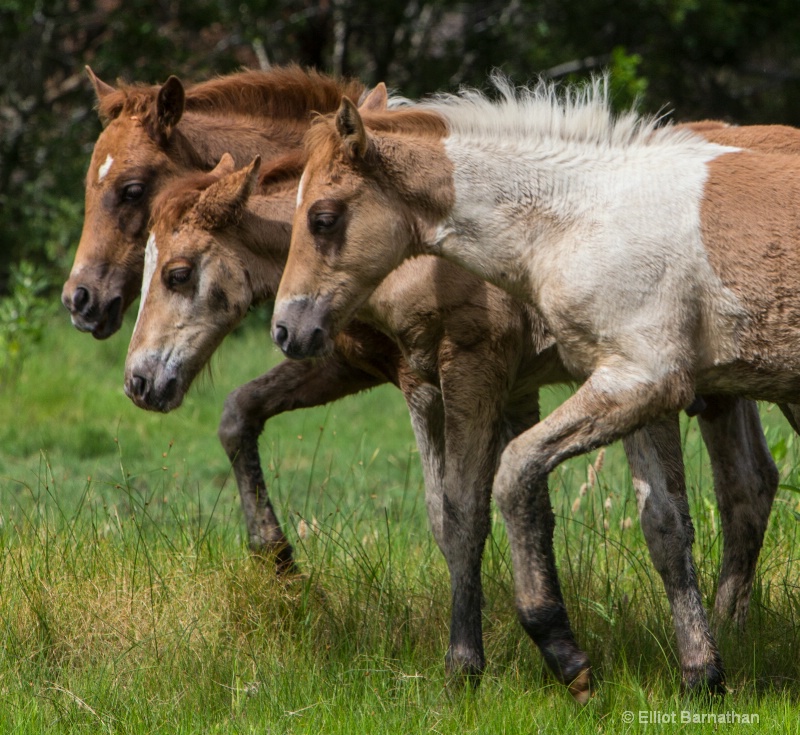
(23, 313)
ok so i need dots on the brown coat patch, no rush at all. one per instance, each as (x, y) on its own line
(751, 230)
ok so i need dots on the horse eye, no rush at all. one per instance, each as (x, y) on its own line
(132, 192)
(324, 222)
(179, 276)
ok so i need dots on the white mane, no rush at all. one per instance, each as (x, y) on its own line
(572, 114)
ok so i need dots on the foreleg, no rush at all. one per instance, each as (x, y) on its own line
(610, 404)
(288, 386)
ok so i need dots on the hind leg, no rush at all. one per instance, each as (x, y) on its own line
(656, 462)
(745, 483)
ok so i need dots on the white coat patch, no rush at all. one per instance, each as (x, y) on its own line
(103, 170)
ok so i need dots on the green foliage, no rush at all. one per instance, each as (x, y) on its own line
(627, 86)
(23, 313)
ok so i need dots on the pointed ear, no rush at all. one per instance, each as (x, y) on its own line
(351, 129)
(376, 100)
(169, 108)
(108, 108)
(225, 166)
(101, 89)
(223, 202)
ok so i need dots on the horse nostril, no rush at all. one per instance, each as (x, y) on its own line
(138, 386)
(280, 335)
(80, 298)
(317, 342)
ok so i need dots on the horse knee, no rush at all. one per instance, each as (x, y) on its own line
(518, 474)
(232, 424)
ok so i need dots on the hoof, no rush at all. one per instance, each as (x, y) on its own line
(704, 681)
(580, 687)
(281, 555)
(464, 668)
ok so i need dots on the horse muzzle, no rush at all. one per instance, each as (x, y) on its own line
(89, 314)
(300, 327)
(153, 386)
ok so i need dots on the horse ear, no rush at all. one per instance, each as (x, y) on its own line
(351, 129)
(108, 107)
(101, 89)
(169, 107)
(222, 203)
(376, 100)
(253, 171)
(225, 166)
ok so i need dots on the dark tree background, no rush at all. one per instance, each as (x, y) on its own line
(729, 59)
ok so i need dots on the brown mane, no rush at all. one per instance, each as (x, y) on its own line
(323, 139)
(282, 170)
(173, 202)
(281, 92)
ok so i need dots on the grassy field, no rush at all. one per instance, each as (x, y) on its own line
(128, 603)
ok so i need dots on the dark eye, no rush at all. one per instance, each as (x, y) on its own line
(177, 277)
(132, 192)
(322, 223)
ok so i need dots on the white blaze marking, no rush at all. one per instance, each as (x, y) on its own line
(300, 190)
(150, 260)
(103, 170)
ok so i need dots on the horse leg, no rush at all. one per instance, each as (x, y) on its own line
(745, 482)
(792, 413)
(474, 387)
(288, 386)
(605, 408)
(465, 650)
(656, 462)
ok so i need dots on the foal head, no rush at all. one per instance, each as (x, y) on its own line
(153, 134)
(363, 206)
(130, 161)
(196, 288)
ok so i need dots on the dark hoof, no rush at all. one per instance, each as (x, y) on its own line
(464, 668)
(704, 681)
(571, 667)
(279, 555)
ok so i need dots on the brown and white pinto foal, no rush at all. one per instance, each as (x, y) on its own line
(663, 264)
(478, 359)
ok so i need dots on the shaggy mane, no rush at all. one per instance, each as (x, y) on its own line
(280, 92)
(579, 114)
(285, 169)
(570, 113)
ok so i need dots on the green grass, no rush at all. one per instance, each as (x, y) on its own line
(128, 603)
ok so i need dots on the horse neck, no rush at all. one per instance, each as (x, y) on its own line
(265, 231)
(200, 139)
(509, 206)
(420, 175)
